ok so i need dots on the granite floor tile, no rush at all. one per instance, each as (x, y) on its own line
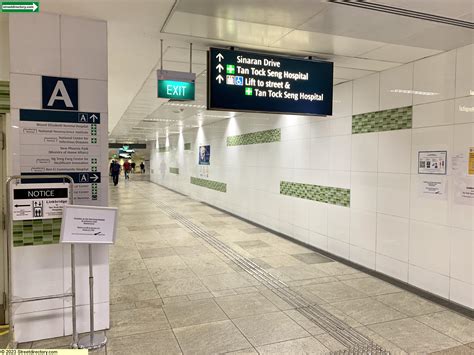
(118, 266)
(413, 336)
(312, 258)
(250, 244)
(249, 351)
(305, 322)
(180, 287)
(171, 273)
(409, 304)
(372, 286)
(211, 338)
(277, 261)
(253, 230)
(368, 311)
(133, 293)
(457, 350)
(158, 342)
(193, 313)
(156, 252)
(334, 291)
(237, 306)
(130, 277)
(164, 261)
(269, 328)
(307, 345)
(225, 281)
(454, 325)
(136, 321)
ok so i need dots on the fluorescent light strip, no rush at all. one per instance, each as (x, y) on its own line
(414, 92)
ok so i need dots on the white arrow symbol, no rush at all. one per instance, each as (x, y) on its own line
(219, 57)
(34, 7)
(220, 68)
(94, 177)
(219, 78)
(94, 118)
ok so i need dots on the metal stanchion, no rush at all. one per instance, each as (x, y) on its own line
(93, 340)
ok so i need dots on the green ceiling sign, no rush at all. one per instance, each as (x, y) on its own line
(175, 90)
(19, 6)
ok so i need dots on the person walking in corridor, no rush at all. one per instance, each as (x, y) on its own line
(126, 169)
(115, 170)
(142, 167)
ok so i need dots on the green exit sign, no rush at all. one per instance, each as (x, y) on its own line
(175, 90)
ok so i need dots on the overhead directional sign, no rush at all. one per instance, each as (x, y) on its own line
(246, 81)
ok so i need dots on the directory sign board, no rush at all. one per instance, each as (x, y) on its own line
(246, 81)
(89, 224)
(38, 201)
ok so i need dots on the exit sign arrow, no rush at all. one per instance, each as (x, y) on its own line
(219, 56)
(94, 177)
(220, 67)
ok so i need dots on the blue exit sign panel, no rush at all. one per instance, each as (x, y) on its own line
(176, 90)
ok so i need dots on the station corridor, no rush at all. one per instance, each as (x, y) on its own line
(188, 278)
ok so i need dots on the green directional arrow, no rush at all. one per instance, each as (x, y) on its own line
(19, 6)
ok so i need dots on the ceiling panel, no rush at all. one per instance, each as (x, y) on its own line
(364, 64)
(350, 74)
(323, 43)
(399, 53)
(282, 13)
(222, 29)
(446, 8)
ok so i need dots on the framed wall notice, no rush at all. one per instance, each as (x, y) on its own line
(432, 162)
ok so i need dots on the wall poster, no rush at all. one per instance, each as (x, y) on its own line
(471, 161)
(432, 162)
(205, 155)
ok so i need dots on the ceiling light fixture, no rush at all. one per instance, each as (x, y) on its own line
(414, 92)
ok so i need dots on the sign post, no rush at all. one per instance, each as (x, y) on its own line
(89, 225)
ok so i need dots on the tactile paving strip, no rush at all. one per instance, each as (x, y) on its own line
(354, 341)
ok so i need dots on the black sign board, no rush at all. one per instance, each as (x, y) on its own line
(246, 81)
(60, 93)
(28, 194)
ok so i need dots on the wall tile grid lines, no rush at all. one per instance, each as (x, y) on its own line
(210, 184)
(4, 96)
(380, 121)
(326, 194)
(269, 136)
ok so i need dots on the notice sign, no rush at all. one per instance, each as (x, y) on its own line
(464, 191)
(38, 201)
(433, 188)
(433, 162)
(89, 224)
(246, 81)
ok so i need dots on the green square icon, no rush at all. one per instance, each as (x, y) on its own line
(230, 69)
(248, 91)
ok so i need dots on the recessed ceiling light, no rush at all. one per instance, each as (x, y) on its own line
(414, 92)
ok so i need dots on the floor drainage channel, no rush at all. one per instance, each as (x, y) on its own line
(350, 338)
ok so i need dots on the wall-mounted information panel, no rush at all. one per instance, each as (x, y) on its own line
(246, 81)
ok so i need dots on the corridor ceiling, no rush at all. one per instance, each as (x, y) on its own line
(359, 42)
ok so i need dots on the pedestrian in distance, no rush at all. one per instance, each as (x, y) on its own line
(126, 169)
(133, 165)
(142, 167)
(115, 172)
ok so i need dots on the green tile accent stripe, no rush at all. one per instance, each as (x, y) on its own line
(187, 146)
(272, 135)
(163, 149)
(213, 185)
(326, 194)
(174, 171)
(4, 96)
(36, 232)
(380, 121)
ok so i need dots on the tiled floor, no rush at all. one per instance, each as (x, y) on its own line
(173, 293)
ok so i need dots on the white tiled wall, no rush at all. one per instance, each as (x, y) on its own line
(49, 44)
(390, 226)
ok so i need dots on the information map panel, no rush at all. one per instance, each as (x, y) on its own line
(246, 81)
